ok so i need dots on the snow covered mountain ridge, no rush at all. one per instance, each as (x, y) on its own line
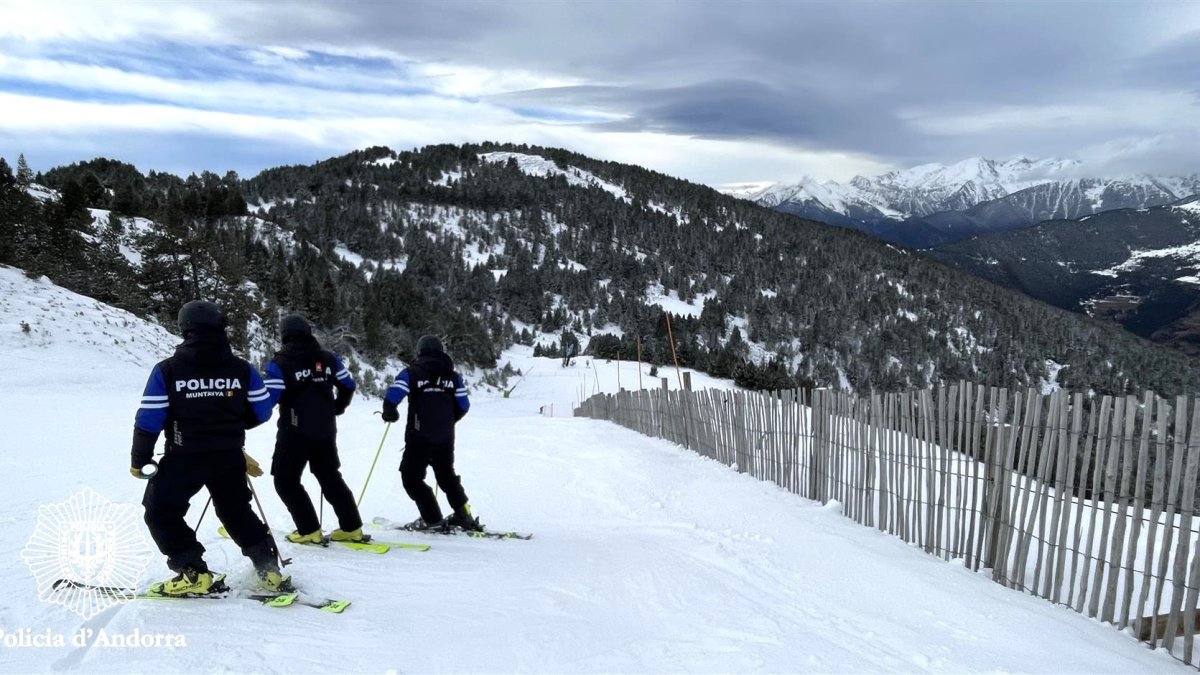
(912, 206)
(922, 186)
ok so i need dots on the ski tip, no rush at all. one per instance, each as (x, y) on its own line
(335, 606)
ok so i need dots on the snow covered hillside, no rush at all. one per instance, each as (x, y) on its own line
(1137, 267)
(536, 165)
(646, 558)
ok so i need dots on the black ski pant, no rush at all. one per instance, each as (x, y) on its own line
(292, 454)
(419, 456)
(168, 495)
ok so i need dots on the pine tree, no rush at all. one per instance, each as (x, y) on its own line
(9, 208)
(24, 173)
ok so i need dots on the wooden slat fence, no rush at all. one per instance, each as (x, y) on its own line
(1086, 502)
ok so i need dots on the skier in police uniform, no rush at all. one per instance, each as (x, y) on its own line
(302, 378)
(205, 398)
(437, 400)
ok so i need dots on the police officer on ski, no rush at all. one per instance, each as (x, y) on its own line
(303, 378)
(205, 399)
(437, 400)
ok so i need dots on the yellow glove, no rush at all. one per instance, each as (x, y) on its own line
(252, 468)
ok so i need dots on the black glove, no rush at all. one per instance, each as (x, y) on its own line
(143, 448)
(344, 396)
(390, 413)
(459, 413)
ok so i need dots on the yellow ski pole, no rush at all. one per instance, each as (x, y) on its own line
(368, 481)
(282, 562)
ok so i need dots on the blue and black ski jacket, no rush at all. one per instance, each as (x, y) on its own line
(437, 399)
(303, 378)
(204, 397)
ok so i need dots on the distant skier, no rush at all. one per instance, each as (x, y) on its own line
(303, 378)
(205, 398)
(437, 400)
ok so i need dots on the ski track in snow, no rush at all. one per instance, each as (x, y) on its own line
(646, 557)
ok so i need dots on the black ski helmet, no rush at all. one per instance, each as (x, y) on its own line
(429, 344)
(200, 315)
(294, 325)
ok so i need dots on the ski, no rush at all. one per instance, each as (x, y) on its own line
(386, 524)
(368, 543)
(220, 590)
(223, 593)
(285, 599)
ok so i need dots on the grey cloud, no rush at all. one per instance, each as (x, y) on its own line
(1175, 64)
(840, 76)
(736, 109)
(820, 75)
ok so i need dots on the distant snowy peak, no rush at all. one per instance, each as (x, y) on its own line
(749, 190)
(921, 190)
(985, 174)
(934, 204)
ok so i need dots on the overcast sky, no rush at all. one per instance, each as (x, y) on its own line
(716, 92)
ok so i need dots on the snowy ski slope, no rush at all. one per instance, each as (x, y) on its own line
(646, 558)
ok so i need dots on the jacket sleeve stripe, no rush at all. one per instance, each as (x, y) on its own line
(399, 389)
(343, 373)
(152, 413)
(275, 382)
(460, 394)
(259, 396)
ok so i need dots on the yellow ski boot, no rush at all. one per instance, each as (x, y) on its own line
(271, 580)
(342, 535)
(314, 537)
(188, 582)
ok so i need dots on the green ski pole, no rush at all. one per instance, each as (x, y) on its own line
(368, 481)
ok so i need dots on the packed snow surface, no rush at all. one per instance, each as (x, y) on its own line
(646, 557)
